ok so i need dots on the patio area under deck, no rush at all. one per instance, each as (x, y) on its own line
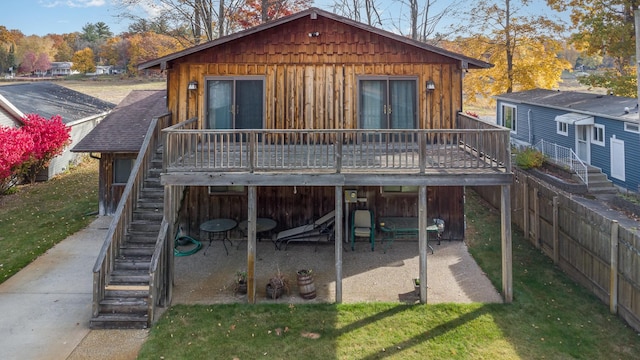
(476, 155)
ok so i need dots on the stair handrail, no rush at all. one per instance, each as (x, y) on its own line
(124, 212)
(563, 156)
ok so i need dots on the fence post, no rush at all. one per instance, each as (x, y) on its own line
(556, 250)
(525, 206)
(338, 143)
(536, 217)
(613, 271)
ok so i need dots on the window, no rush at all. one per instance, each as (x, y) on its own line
(235, 103)
(388, 103)
(563, 128)
(630, 127)
(121, 170)
(597, 135)
(226, 190)
(400, 189)
(508, 117)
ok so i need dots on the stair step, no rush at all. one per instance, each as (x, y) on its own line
(137, 249)
(119, 321)
(152, 192)
(153, 183)
(124, 306)
(134, 257)
(148, 214)
(146, 226)
(131, 279)
(603, 190)
(132, 264)
(152, 205)
(114, 291)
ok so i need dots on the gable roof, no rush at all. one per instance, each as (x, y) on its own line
(609, 106)
(467, 62)
(123, 130)
(48, 99)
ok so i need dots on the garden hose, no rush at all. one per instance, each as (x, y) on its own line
(184, 240)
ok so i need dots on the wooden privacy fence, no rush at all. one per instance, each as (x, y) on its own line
(598, 252)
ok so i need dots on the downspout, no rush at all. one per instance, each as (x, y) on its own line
(529, 126)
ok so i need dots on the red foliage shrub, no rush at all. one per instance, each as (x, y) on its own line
(50, 136)
(16, 147)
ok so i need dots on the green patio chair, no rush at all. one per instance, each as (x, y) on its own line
(362, 225)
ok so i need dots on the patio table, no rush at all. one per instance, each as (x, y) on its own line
(218, 227)
(263, 225)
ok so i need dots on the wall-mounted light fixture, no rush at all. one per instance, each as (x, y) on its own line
(314, 34)
(431, 85)
(193, 85)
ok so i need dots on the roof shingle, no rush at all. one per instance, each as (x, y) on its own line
(123, 130)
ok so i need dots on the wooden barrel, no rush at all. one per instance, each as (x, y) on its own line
(306, 286)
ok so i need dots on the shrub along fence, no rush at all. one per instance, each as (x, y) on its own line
(596, 251)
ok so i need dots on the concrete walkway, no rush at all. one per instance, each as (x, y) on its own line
(46, 307)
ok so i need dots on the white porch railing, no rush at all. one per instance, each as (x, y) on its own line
(563, 156)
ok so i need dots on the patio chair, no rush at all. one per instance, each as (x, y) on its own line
(321, 228)
(362, 225)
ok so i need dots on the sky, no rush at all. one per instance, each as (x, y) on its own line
(41, 17)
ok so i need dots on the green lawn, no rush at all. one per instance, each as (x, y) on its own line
(551, 318)
(39, 216)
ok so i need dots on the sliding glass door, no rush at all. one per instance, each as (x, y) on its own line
(388, 103)
(235, 103)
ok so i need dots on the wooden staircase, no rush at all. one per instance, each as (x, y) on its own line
(127, 293)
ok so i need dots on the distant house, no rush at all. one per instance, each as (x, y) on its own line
(62, 68)
(117, 141)
(79, 111)
(102, 70)
(602, 130)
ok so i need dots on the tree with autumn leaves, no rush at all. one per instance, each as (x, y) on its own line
(27, 150)
(606, 28)
(521, 47)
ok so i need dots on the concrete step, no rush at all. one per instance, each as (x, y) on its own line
(603, 190)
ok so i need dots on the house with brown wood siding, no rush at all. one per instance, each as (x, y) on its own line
(308, 115)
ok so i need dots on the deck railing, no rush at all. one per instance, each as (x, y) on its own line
(337, 150)
(116, 235)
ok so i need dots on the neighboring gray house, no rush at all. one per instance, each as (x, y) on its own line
(79, 111)
(602, 130)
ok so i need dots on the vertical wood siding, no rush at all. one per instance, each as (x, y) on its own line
(292, 207)
(322, 96)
